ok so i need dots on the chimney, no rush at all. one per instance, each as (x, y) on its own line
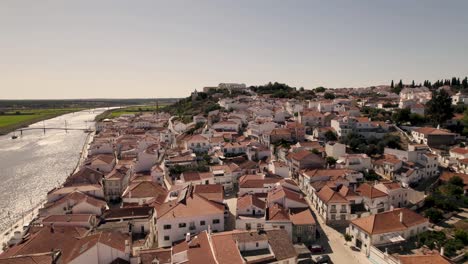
(401, 217)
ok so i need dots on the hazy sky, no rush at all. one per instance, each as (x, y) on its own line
(120, 49)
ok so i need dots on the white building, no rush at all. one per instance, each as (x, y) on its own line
(386, 228)
(189, 214)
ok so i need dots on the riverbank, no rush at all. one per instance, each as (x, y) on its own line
(137, 109)
(15, 220)
(30, 215)
(16, 119)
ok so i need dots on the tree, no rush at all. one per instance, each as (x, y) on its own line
(397, 89)
(320, 89)
(330, 136)
(329, 96)
(412, 84)
(434, 215)
(348, 237)
(462, 235)
(331, 161)
(456, 180)
(392, 85)
(401, 116)
(439, 109)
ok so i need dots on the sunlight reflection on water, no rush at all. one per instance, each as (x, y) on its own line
(35, 163)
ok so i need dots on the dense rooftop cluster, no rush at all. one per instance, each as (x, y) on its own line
(252, 180)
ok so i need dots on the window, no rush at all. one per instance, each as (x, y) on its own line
(166, 238)
(202, 223)
(248, 226)
(167, 227)
(282, 227)
(256, 244)
(181, 225)
(215, 221)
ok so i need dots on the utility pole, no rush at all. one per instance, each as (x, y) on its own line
(66, 130)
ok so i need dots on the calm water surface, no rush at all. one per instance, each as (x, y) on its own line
(36, 162)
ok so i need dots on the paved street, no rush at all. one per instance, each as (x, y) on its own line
(334, 244)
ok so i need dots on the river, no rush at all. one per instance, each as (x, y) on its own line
(35, 162)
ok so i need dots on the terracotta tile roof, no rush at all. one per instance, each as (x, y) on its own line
(191, 206)
(225, 249)
(248, 165)
(69, 218)
(196, 176)
(115, 240)
(257, 181)
(77, 197)
(117, 173)
(144, 189)
(163, 255)
(327, 195)
(304, 154)
(128, 212)
(332, 173)
(301, 216)
(347, 193)
(447, 175)
(459, 150)
(423, 259)
(106, 158)
(47, 238)
(281, 245)
(389, 221)
(432, 131)
(198, 249)
(279, 193)
(85, 175)
(248, 200)
(369, 191)
(212, 192)
(387, 158)
(277, 213)
(40, 258)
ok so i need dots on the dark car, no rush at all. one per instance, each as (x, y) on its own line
(321, 259)
(316, 248)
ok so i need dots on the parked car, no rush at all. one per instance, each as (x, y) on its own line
(316, 248)
(321, 259)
